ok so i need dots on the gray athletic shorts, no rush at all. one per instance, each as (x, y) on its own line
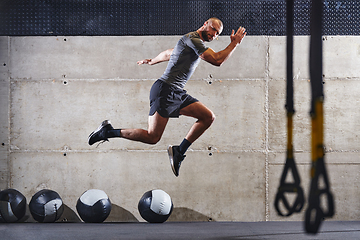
(167, 100)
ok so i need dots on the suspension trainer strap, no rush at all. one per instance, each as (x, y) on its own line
(316, 211)
(289, 56)
(290, 166)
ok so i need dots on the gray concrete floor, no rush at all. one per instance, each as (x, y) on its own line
(178, 230)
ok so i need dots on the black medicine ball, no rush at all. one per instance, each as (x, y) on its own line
(46, 206)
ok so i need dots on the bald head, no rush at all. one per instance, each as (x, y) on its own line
(214, 19)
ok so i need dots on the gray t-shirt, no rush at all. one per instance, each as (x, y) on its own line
(184, 60)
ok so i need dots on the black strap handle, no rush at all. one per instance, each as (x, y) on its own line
(316, 211)
(285, 188)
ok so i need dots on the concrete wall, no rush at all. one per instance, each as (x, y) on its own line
(56, 90)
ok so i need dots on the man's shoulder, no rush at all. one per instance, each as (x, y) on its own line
(194, 41)
(192, 35)
(194, 38)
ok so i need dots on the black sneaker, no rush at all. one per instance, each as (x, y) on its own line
(175, 158)
(100, 133)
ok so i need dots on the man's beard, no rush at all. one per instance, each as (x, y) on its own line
(205, 36)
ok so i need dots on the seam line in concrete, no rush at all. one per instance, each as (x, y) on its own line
(267, 79)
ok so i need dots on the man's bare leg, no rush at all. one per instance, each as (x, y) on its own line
(152, 135)
(205, 118)
(155, 130)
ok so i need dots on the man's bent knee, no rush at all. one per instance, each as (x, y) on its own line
(208, 119)
(153, 139)
(211, 118)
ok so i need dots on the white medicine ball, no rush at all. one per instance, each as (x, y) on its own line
(93, 206)
(155, 206)
(46, 206)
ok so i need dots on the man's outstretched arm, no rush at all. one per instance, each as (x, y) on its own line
(218, 58)
(162, 57)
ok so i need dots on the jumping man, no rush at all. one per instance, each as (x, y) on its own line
(168, 99)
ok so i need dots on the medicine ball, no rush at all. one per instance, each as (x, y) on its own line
(46, 206)
(93, 206)
(155, 206)
(12, 205)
